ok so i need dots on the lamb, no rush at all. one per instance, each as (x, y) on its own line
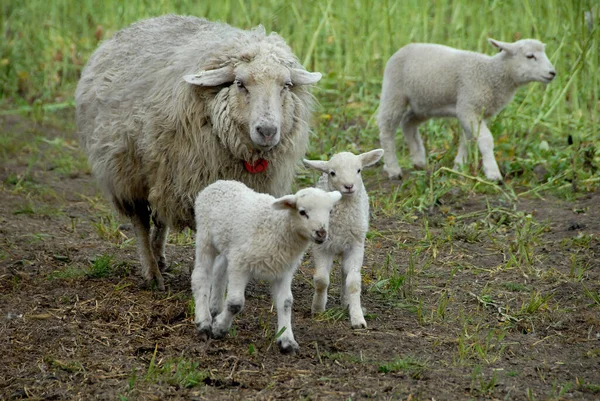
(422, 81)
(348, 224)
(172, 104)
(242, 234)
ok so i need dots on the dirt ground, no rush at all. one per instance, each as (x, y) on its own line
(68, 334)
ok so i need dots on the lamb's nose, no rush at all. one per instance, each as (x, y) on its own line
(322, 233)
(267, 131)
(349, 187)
(552, 73)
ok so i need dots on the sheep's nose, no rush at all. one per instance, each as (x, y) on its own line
(552, 73)
(321, 234)
(349, 187)
(267, 131)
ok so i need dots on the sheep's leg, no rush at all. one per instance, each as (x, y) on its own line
(391, 110)
(201, 283)
(461, 156)
(323, 263)
(485, 142)
(140, 218)
(236, 286)
(410, 129)
(159, 238)
(219, 284)
(352, 265)
(282, 295)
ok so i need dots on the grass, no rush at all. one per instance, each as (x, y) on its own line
(412, 366)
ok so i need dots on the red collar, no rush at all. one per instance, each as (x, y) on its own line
(258, 167)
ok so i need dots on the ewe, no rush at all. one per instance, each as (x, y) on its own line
(422, 81)
(172, 104)
(242, 234)
(348, 227)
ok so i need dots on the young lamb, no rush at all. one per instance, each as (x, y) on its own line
(348, 227)
(242, 234)
(172, 104)
(422, 81)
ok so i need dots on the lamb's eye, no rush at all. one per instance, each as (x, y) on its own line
(239, 84)
(359, 170)
(332, 173)
(303, 213)
(288, 85)
(530, 56)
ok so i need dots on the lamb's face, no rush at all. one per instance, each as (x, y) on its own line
(310, 208)
(344, 170)
(528, 61)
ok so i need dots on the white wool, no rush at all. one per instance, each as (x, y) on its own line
(423, 81)
(348, 227)
(242, 234)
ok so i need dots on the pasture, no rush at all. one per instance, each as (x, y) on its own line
(472, 290)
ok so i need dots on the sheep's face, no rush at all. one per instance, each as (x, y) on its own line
(310, 209)
(260, 96)
(527, 60)
(344, 170)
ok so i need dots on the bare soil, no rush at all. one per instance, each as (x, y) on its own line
(77, 337)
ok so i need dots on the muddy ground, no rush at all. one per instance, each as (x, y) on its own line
(455, 324)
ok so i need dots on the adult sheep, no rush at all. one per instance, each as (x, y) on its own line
(423, 81)
(171, 104)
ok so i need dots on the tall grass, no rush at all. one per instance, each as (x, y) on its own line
(46, 43)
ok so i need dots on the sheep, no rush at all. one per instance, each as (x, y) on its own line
(242, 234)
(422, 81)
(348, 227)
(171, 104)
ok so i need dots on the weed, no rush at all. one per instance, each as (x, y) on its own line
(101, 267)
(176, 372)
(409, 365)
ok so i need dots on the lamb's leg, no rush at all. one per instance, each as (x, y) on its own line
(201, 283)
(410, 129)
(219, 284)
(352, 265)
(236, 286)
(323, 262)
(159, 238)
(140, 218)
(461, 155)
(485, 142)
(391, 109)
(282, 295)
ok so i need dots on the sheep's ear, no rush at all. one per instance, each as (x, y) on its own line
(303, 77)
(370, 158)
(335, 196)
(507, 47)
(285, 202)
(216, 77)
(316, 164)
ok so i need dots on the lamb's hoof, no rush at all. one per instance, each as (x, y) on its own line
(155, 283)
(218, 333)
(315, 310)
(288, 347)
(204, 331)
(361, 324)
(393, 173)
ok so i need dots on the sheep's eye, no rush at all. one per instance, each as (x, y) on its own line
(359, 170)
(331, 212)
(530, 56)
(288, 85)
(332, 173)
(302, 213)
(239, 84)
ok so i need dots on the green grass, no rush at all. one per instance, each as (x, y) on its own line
(412, 366)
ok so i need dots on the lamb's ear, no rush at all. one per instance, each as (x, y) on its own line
(303, 77)
(507, 47)
(335, 196)
(216, 77)
(316, 164)
(285, 202)
(370, 158)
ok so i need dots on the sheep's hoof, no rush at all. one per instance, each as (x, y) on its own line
(288, 347)
(393, 173)
(359, 325)
(155, 283)
(204, 331)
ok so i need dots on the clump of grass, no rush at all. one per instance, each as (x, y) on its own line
(333, 314)
(412, 366)
(176, 372)
(101, 267)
